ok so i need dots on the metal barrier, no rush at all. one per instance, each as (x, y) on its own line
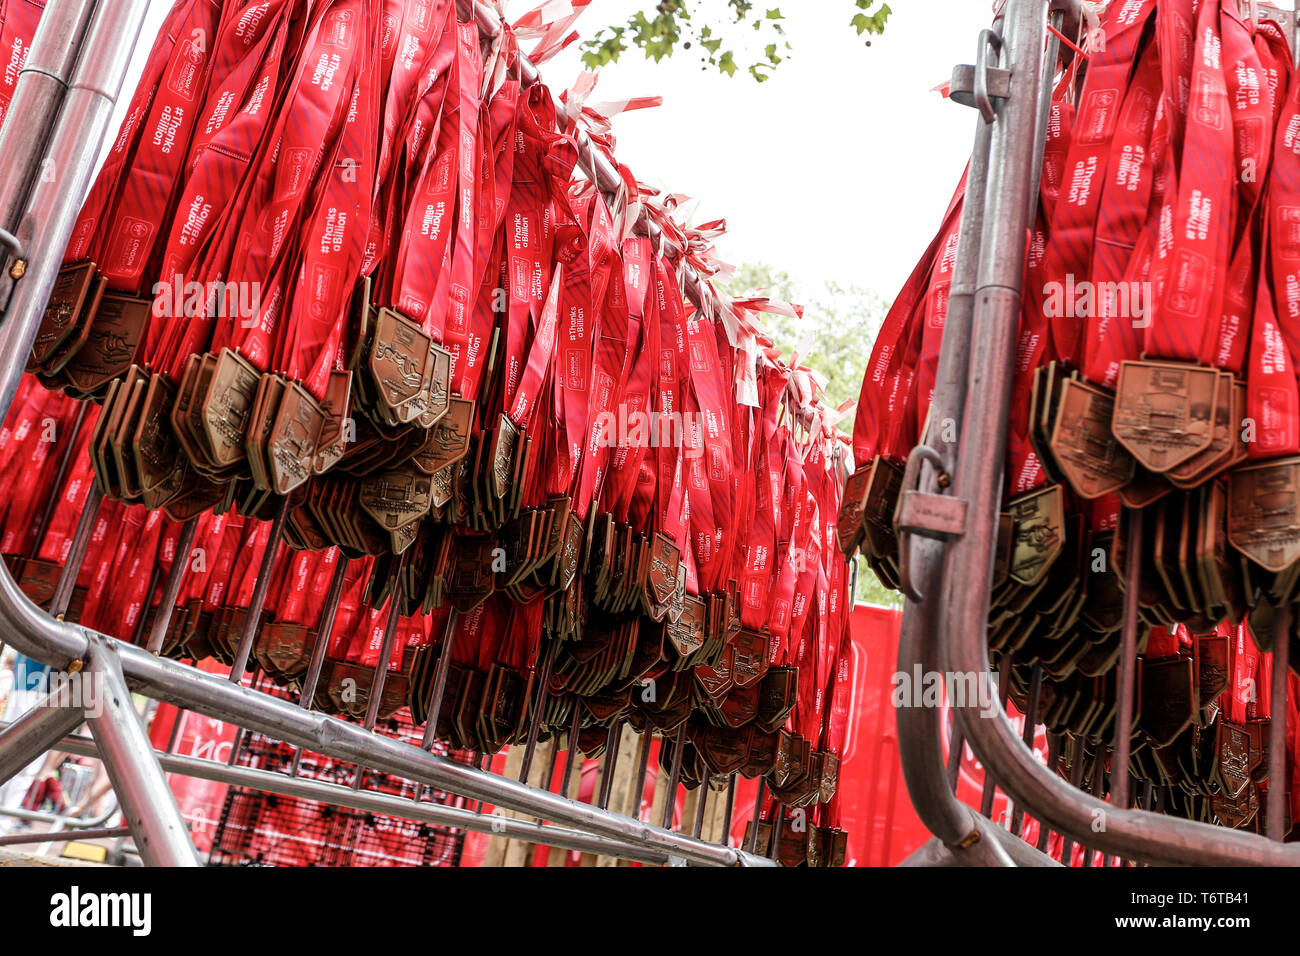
(948, 580)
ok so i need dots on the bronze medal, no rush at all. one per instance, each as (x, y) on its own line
(158, 460)
(115, 335)
(718, 679)
(437, 397)
(335, 409)
(504, 448)
(396, 498)
(661, 575)
(1164, 412)
(397, 364)
(751, 656)
(196, 495)
(1085, 449)
(448, 441)
(878, 514)
(849, 531)
(266, 403)
(180, 411)
(123, 463)
(226, 405)
(1168, 703)
(291, 448)
(779, 692)
(76, 289)
(1039, 534)
(100, 435)
(687, 634)
(1223, 443)
(1264, 513)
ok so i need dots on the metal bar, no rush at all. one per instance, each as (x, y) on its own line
(253, 618)
(172, 588)
(1031, 730)
(700, 808)
(323, 633)
(1076, 781)
(440, 680)
(76, 552)
(148, 806)
(70, 823)
(27, 738)
(535, 719)
(571, 749)
(1004, 688)
(307, 694)
(40, 88)
(1278, 783)
(1127, 678)
(670, 798)
(758, 815)
(1098, 788)
(100, 834)
(642, 763)
(931, 785)
(778, 831)
(727, 812)
(138, 634)
(612, 743)
(384, 804)
(100, 43)
(956, 749)
(385, 649)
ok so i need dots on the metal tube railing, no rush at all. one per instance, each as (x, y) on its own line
(978, 480)
(368, 801)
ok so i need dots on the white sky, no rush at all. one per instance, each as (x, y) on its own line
(838, 168)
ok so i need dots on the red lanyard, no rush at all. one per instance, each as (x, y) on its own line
(1189, 283)
(1074, 218)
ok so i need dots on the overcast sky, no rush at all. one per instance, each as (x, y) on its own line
(837, 168)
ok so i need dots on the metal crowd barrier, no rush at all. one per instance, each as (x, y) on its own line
(944, 627)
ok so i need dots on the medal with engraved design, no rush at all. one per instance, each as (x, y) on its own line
(111, 346)
(1039, 534)
(661, 575)
(878, 514)
(751, 656)
(504, 447)
(226, 406)
(76, 287)
(158, 460)
(1085, 449)
(1164, 412)
(334, 433)
(448, 441)
(396, 498)
(1232, 758)
(397, 363)
(1223, 442)
(687, 633)
(437, 395)
(291, 447)
(1264, 513)
(848, 527)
